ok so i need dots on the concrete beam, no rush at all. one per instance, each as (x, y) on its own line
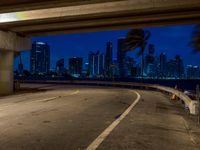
(99, 8)
(22, 5)
(113, 23)
(12, 41)
(97, 16)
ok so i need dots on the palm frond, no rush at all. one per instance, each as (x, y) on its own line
(136, 38)
(148, 35)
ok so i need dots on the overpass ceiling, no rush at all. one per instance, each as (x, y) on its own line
(22, 5)
(71, 16)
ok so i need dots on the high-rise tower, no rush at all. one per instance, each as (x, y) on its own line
(163, 65)
(121, 56)
(40, 58)
(108, 59)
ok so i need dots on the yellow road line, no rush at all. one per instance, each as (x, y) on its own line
(74, 93)
(52, 98)
(46, 99)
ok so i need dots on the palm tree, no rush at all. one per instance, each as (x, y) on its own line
(195, 43)
(137, 38)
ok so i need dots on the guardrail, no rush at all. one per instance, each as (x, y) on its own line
(191, 104)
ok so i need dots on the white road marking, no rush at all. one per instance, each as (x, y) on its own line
(95, 144)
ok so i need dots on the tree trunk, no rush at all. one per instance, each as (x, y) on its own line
(142, 63)
(142, 67)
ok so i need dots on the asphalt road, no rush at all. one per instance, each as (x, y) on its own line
(74, 117)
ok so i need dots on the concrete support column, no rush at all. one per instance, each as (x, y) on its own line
(6, 72)
(10, 42)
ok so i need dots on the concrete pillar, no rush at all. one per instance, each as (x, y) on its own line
(6, 72)
(10, 42)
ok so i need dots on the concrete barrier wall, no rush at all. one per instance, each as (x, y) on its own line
(191, 104)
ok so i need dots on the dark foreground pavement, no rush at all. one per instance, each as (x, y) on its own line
(72, 117)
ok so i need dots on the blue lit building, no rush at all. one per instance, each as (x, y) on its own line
(136, 71)
(163, 65)
(114, 68)
(179, 66)
(75, 66)
(40, 58)
(121, 57)
(175, 68)
(96, 64)
(108, 59)
(193, 72)
(129, 66)
(60, 69)
(150, 62)
(20, 66)
(171, 68)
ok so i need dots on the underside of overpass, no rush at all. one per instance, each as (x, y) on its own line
(29, 17)
(24, 18)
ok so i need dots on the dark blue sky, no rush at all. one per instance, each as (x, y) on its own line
(170, 39)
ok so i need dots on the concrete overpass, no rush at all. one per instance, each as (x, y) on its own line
(24, 18)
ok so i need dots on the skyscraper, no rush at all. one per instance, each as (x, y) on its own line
(96, 64)
(193, 72)
(20, 66)
(114, 67)
(151, 49)
(175, 67)
(60, 67)
(163, 65)
(171, 68)
(179, 66)
(121, 56)
(150, 63)
(136, 70)
(129, 66)
(75, 66)
(108, 59)
(40, 58)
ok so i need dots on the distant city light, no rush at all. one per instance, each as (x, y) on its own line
(41, 43)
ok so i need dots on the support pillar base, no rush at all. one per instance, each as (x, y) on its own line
(6, 72)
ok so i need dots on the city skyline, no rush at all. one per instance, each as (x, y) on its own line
(82, 43)
(100, 65)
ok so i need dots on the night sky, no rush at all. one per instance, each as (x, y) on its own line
(170, 39)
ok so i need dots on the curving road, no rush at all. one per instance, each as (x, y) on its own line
(73, 117)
